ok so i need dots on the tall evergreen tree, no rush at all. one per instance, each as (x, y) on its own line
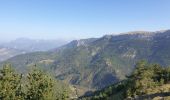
(40, 86)
(10, 84)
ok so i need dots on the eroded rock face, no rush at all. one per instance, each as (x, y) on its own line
(131, 54)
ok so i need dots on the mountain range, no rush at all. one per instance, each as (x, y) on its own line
(25, 45)
(95, 63)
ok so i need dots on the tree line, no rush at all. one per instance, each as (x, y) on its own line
(35, 85)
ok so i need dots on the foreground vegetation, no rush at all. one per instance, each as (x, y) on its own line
(146, 81)
(36, 85)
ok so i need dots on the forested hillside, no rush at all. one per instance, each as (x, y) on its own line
(99, 62)
(146, 82)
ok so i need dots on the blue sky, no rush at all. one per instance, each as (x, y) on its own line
(74, 19)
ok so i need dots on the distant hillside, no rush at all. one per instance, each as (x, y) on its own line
(24, 45)
(6, 53)
(97, 63)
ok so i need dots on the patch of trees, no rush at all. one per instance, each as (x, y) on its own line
(146, 79)
(36, 85)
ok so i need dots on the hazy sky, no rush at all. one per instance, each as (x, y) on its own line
(67, 19)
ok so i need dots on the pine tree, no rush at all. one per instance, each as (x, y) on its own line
(40, 86)
(10, 84)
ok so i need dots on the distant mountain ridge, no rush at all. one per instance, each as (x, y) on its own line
(99, 62)
(31, 45)
(25, 45)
